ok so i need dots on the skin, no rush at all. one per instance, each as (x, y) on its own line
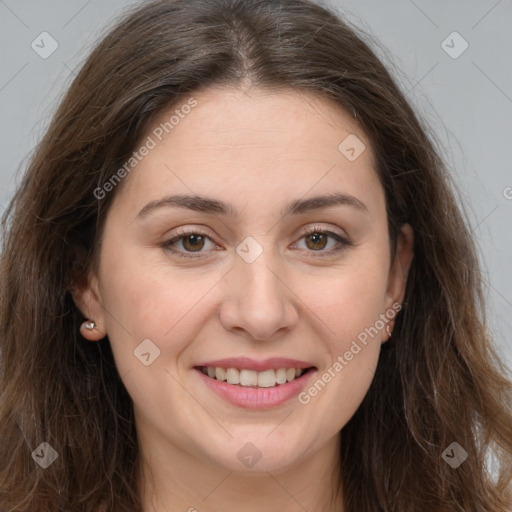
(257, 151)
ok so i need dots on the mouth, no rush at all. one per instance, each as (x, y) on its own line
(246, 378)
(250, 384)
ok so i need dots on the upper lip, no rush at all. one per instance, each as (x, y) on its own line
(246, 363)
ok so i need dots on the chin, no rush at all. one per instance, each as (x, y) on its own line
(259, 454)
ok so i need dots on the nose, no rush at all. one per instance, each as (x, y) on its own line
(258, 301)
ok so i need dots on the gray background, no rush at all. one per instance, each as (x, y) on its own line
(466, 100)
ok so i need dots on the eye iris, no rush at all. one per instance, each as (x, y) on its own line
(316, 238)
(190, 241)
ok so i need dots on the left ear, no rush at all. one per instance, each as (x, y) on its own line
(399, 270)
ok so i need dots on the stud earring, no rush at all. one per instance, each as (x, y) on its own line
(389, 330)
(89, 325)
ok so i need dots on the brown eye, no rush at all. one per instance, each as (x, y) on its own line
(193, 243)
(189, 244)
(316, 241)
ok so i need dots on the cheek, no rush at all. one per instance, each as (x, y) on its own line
(144, 301)
(349, 305)
(350, 379)
(145, 304)
(353, 344)
(347, 300)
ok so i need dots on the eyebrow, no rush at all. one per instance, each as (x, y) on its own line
(214, 206)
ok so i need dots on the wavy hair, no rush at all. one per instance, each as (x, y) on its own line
(439, 379)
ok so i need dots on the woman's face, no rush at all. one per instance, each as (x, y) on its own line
(283, 262)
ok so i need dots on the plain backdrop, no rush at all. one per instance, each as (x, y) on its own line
(452, 58)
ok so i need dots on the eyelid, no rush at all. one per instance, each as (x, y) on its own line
(319, 229)
(344, 242)
(182, 232)
(188, 230)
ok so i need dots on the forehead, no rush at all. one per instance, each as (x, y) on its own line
(231, 118)
(248, 142)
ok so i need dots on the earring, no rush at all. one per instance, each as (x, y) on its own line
(389, 330)
(89, 325)
(90, 330)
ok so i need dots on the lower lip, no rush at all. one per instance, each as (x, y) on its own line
(256, 398)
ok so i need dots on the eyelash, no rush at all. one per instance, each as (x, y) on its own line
(344, 243)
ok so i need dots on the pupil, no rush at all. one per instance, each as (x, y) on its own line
(317, 238)
(191, 242)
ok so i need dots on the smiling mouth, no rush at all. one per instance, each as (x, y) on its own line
(253, 379)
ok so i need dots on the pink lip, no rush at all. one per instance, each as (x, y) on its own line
(253, 397)
(246, 363)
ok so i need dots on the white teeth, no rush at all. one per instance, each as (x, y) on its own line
(264, 379)
(233, 376)
(220, 374)
(248, 378)
(281, 376)
(267, 379)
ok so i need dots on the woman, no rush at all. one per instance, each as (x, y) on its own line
(235, 274)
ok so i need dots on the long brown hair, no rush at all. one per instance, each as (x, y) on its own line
(438, 380)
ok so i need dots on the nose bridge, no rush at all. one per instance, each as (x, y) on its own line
(261, 284)
(258, 301)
